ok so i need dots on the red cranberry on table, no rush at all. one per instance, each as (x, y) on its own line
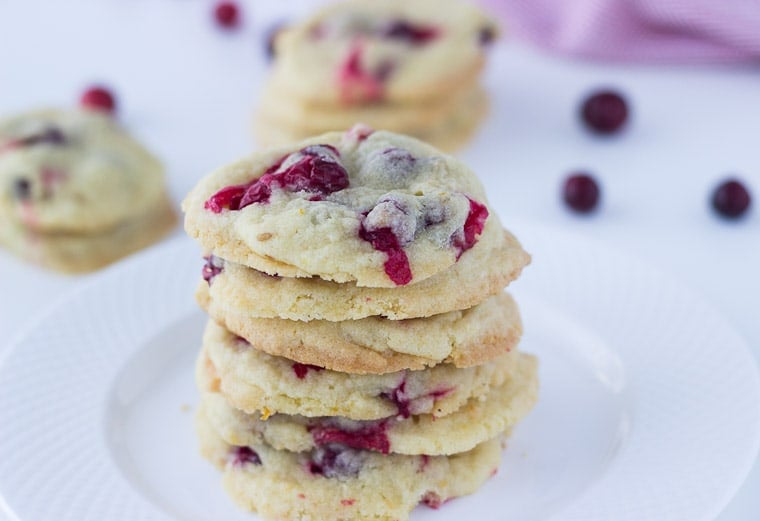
(581, 192)
(227, 14)
(604, 112)
(98, 97)
(731, 199)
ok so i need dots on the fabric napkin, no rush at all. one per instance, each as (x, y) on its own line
(638, 30)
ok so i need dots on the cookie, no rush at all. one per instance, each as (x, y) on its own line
(378, 345)
(404, 118)
(456, 126)
(250, 293)
(74, 171)
(477, 420)
(343, 484)
(256, 381)
(375, 208)
(397, 51)
(81, 253)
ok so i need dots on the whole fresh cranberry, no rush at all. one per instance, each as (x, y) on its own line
(604, 112)
(227, 15)
(100, 98)
(731, 199)
(581, 192)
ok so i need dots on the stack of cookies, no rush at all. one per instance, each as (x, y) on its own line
(361, 358)
(408, 67)
(76, 191)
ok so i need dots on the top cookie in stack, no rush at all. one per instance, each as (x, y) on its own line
(362, 354)
(408, 67)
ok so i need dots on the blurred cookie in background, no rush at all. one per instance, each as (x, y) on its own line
(76, 191)
(407, 67)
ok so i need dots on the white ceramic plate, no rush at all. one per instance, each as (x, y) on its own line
(649, 404)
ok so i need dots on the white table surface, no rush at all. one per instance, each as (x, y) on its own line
(188, 90)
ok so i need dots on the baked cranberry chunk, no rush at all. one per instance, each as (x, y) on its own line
(314, 169)
(301, 370)
(213, 267)
(240, 456)
(473, 226)
(410, 33)
(335, 460)
(372, 436)
(397, 265)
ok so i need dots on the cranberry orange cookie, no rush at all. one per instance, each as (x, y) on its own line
(232, 293)
(374, 208)
(366, 51)
(408, 67)
(338, 482)
(72, 179)
(376, 345)
(476, 420)
(255, 381)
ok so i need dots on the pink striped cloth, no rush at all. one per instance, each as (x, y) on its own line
(638, 30)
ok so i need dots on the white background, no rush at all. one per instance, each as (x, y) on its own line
(188, 90)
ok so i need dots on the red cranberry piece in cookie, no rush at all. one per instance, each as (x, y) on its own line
(50, 136)
(359, 132)
(240, 456)
(213, 267)
(371, 436)
(228, 198)
(301, 370)
(433, 500)
(731, 199)
(313, 169)
(397, 265)
(98, 98)
(413, 34)
(334, 461)
(473, 227)
(22, 189)
(358, 84)
(407, 405)
(604, 112)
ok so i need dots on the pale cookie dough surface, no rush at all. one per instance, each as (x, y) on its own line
(485, 271)
(380, 210)
(256, 381)
(81, 253)
(478, 420)
(404, 118)
(378, 345)
(74, 171)
(454, 131)
(396, 50)
(342, 484)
